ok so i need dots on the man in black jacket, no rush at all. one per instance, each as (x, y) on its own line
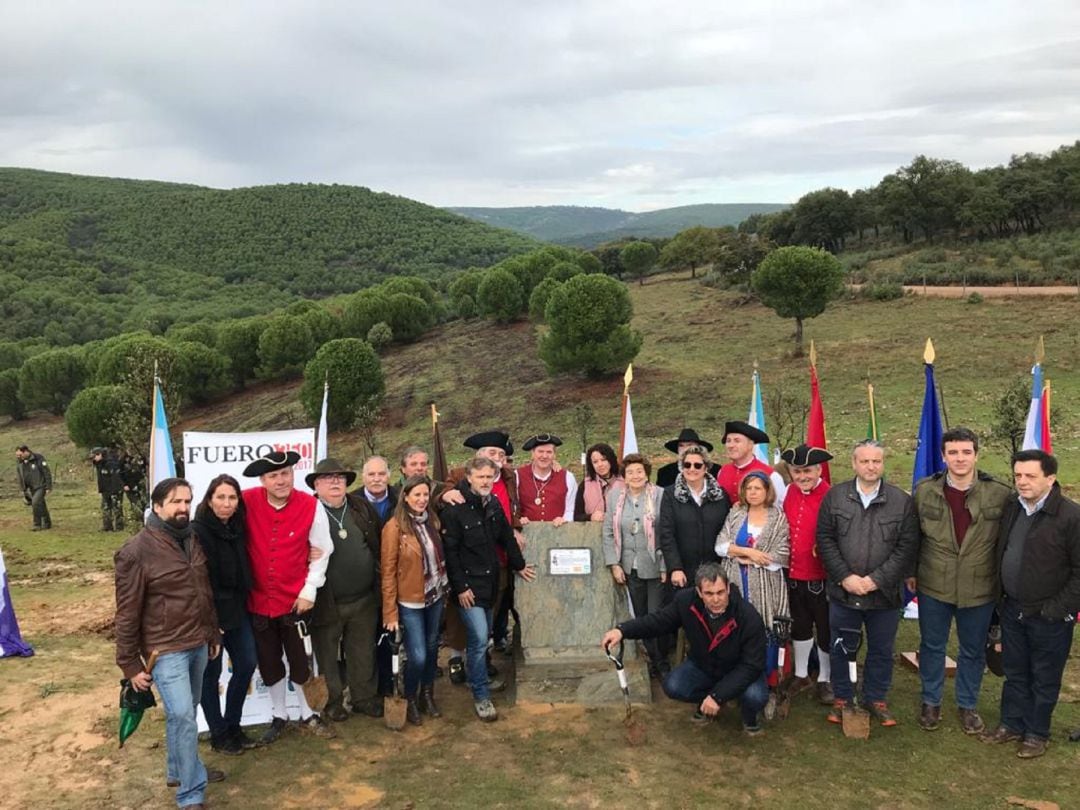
(727, 647)
(110, 486)
(1039, 549)
(35, 482)
(471, 532)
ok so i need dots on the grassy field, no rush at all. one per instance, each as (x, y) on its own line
(58, 708)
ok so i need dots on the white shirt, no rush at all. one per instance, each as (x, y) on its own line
(868, 497)
(571, 488)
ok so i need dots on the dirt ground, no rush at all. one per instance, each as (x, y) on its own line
(990, 292)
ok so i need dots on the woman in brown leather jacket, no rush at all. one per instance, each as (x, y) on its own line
(414, 587)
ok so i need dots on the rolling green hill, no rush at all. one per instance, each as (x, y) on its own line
(588, 227)
(83, 258)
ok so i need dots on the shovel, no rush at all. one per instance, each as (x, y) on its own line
(855, 719)
(395, 705)
(782, 630)
(133, 703)
(315, 691)
(635, 729)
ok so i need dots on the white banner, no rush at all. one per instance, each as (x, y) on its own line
(257, 703)
(208, 455)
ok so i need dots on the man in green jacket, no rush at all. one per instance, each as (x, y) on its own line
(35, 482)
(959, 512)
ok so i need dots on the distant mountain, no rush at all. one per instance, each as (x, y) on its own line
(588, 227)
(87, 257)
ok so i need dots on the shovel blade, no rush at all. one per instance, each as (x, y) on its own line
(315, 693)
(394, 712)
(856, 723)
(635, 732)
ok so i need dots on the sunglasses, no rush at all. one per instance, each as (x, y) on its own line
(693, 465)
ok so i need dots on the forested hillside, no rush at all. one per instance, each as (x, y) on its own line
(588, 227)
(83, 258)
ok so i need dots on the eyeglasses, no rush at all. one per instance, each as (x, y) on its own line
(693, 465)
(332, 477)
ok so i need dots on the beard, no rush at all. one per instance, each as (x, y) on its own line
(178, 521)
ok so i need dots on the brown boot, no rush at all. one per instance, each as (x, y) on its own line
(412, 712)
(929, 717)
(427, 702)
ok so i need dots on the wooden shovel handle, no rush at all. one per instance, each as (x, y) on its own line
(149, 668)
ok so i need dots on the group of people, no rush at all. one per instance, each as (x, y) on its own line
(740, 559)
(119, 475)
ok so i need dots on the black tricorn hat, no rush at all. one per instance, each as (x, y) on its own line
(330, 466)
(490, 438)
(806, 456)
(541, 438)
(746, 429)
(687, 435)
(274, 460)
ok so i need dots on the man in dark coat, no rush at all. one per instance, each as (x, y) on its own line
(110, 486)
(35, 482)
(472, 531)
(726, 638)
(687, 437)
(1039, 549)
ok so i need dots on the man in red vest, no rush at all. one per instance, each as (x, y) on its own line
(739, 441)
(283, 525)
(806, 576)
(545, 494)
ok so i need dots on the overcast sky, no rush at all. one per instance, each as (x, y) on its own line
(637, 105)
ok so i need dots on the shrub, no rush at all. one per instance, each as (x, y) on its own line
(355, 377)
(380, 335)
(500, 296)
(90, 416)
(589, 317)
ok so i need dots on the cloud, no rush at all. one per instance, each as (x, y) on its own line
(484, 103)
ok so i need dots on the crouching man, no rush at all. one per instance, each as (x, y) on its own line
(726, 638)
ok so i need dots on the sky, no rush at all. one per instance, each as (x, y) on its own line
(634, 105)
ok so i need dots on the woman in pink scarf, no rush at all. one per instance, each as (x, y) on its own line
(601, 474)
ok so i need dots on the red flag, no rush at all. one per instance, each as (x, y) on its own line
(815, 422)
(1047, 445)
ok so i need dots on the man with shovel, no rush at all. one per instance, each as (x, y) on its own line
(283, 525)
(868, 537)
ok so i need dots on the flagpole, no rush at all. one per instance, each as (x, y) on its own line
(628, 378)
(873, 414)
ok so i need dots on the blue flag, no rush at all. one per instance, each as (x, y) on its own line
(928, 459)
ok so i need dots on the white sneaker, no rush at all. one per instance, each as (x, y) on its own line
(485, 710)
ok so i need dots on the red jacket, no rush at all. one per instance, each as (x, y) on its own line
(731, 476)
(278, 550)
(801, 511)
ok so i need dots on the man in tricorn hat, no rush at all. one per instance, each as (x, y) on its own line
(806, 576)
(346, 612)
(739, 441)
(687, 437)
(283, 524)
(546, 494)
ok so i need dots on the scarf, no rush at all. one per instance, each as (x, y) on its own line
(648, 519)
(181, 536)
(431, 555)
(712, 492)
(594, 493)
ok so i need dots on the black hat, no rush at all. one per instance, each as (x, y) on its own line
(745, 429)
(806, 456)
(490, 438)
(274, 460)
(541, 438)
(687, 435)
(329, 466)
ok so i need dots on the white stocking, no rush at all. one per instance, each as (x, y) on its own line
(825, 662)
(802, 656)
(277, 700)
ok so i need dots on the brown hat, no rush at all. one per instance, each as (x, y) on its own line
(330, 466)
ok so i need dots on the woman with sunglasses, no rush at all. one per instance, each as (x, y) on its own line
(692, 513)
(755, 548)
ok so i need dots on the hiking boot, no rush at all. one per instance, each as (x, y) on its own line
(273, 731)
(427, 702)
(226, 744)
(880, 710)
(825, 693)
(337, 713)
(412, 712)
(836, 713)
(317, 727)
(929, 717)
(798, 685)
(370, 708)
(753, 731)
(497, 685)
(457, 670)
(1032, 747)
(1000, 735)
(243, 740)
(485, 710)
(971, 722)
(215, 775)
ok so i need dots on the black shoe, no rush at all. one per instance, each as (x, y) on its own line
(243, 740)
(337, 713)
(214, 775)
(427, 702)
(273, 731)
(412, 712)
(371, 708)
(457, 670)
(227, 744)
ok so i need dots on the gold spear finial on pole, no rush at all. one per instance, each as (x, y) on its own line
(928, 353)
(813, 355)
(1040, 351)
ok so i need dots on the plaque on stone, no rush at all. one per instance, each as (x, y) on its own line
(569, 562)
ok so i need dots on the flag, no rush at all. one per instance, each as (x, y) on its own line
(1037, 429)
(162, 464)
(321, 441)
(757, 418)
(438, 452)
(11, 642)
(627, 433)
(815, 422)
(928, 460)
(872, 425)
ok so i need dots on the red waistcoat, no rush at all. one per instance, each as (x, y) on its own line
(277, 545)
(801, 511)
(552, 495)
(731, 476)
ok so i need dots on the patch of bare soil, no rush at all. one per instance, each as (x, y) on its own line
(989, 292)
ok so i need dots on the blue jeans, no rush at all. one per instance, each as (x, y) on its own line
(477, 621)
(240, 645)
(972, 624)
(1034, 652)
(880, 637)
(690, 684)
(178, 677)
(421, 644)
